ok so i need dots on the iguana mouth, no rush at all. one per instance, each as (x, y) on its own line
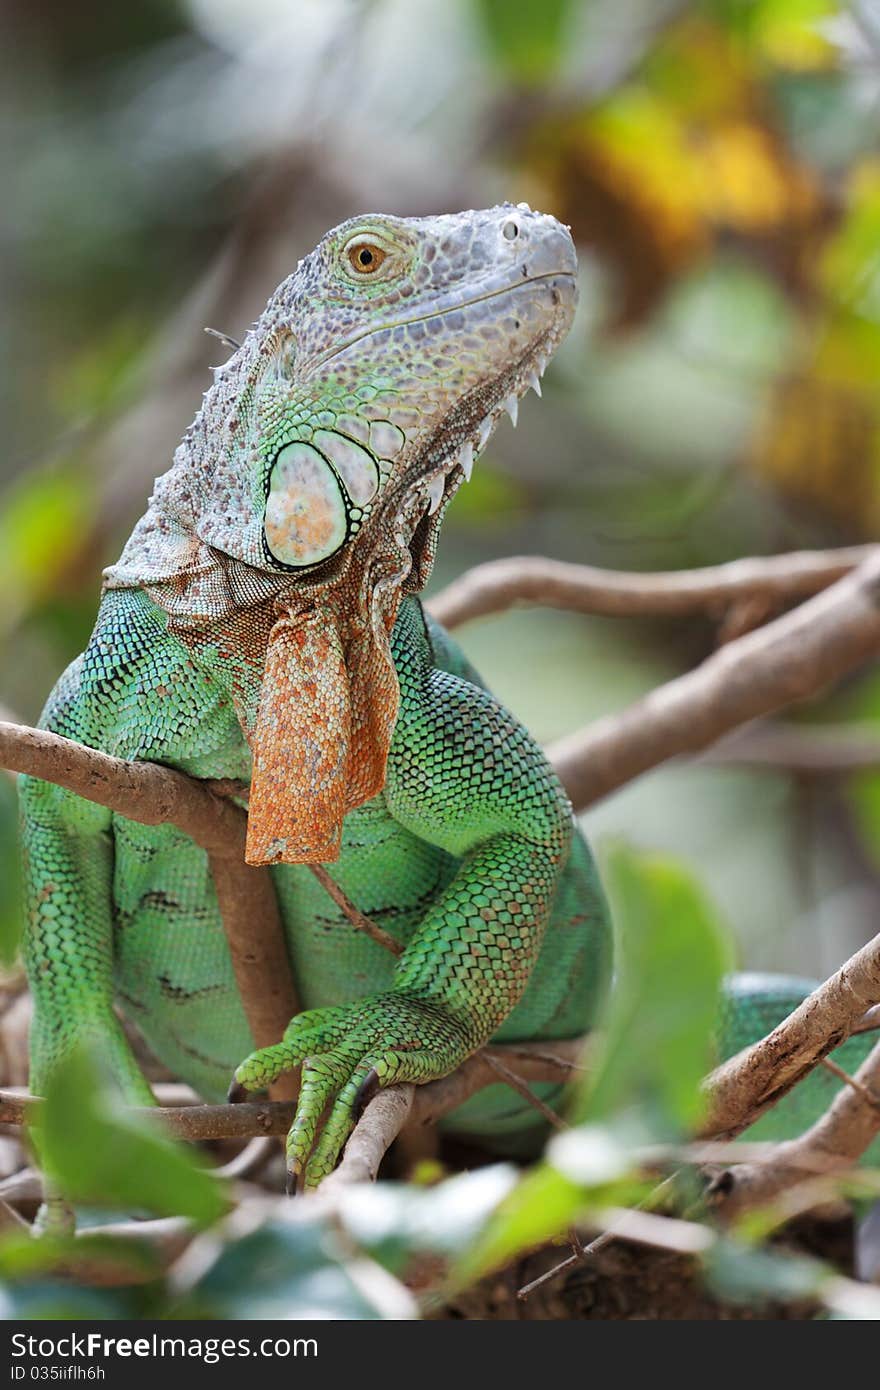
(421, 503)
(441, 308)
(409, 513)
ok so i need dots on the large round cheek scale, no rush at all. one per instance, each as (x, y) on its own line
(305, 521)
(355, 465)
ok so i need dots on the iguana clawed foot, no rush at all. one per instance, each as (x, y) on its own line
(347, 1054)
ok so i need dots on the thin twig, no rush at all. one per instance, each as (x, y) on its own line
(866, 1095)
(517, 1084)
(581, 1252)
(355, 916)
(869, 1022)
(639, 1226)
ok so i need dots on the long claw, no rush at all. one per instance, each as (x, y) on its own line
(236, 1093)
(368, 1088)
(291, 1180)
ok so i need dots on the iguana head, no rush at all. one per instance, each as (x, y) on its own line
(397, 346)
(315, 478)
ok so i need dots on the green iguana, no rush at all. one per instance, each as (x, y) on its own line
(262, 624)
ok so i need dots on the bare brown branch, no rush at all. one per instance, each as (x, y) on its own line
(790, 659)
(144, 792)
(746, 1085)
(375, 1131)
(353, 913)
(530, 579)
(154, 795)
(803, 750)
(251, 1118)
(517, 1084)
(254, 931)
(832, 1145)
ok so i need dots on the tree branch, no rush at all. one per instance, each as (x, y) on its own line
(527, 579)
(142, 791)
(746, 1085)
(832, 1145)
(196, 1123)
(156, 795)
(790, 659)
(802, 750)
(373, 1135)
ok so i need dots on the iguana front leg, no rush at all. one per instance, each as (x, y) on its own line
(68, 858)
(465, 776)
(133, 693)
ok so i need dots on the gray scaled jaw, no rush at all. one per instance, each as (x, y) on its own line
(433, 488)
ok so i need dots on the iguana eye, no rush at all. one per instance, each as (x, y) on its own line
(365, 257)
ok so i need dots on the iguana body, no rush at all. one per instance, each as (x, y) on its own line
(262, 625)
(164, 952)
(257, 627)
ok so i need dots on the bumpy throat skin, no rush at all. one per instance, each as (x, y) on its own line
(261, 623)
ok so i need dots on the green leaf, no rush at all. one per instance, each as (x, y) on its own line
(23, 1258)
(742, 1274)
(526, 36)
(393, 1221)
(546, 1203)
(96, 1152)
(540, 1208)
(658, 1037)
(295, 1268)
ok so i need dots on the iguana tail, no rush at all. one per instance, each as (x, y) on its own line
(754, 1004)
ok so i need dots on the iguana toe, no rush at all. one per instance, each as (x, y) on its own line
(347, 1055)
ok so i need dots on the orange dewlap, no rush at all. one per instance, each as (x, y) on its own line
(320, 743)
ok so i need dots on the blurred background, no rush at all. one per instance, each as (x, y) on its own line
(166, 162)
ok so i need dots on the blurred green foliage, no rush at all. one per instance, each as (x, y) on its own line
(94, 1152)
(348, 1258)
(657, 1039)
(525, 36)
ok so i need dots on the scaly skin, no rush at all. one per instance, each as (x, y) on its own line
(262, 625)
(245, 633)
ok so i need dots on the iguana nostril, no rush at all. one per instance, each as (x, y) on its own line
(510, 230)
